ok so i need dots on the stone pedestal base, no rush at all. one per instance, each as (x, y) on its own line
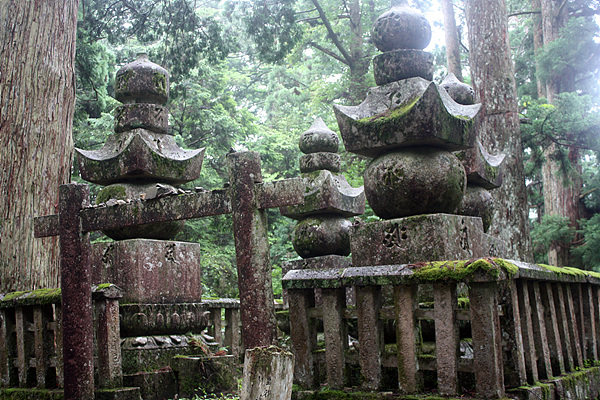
(150, 271)
(429, 237)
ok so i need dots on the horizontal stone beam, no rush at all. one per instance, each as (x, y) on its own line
(170, 208)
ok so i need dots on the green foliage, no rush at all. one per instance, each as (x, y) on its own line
(590, 250)
(552, 230)
(574, 52)
(272, 26)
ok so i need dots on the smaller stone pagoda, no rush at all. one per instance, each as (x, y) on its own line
(322, 234)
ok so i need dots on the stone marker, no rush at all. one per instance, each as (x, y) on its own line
(268, 374)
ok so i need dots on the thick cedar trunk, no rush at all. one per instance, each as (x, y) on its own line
(498, 124)
(37, 96)
(561, 193)
(452, 44)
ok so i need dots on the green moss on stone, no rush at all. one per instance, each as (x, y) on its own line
(159, 81)
(459, 270)
(34, 297)
(116, 192)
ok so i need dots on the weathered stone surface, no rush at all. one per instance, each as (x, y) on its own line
(419, 238)
(406, 113)
(402, 64)
(126, 191)
(163, 319)
(320, 235)
(140, 154)
(149, 353)
(150, 271)
(319, 138)
(324, 262)
(154, 385)
(402, 27)
(268, 374)
(200, 375)
(459, 92)
(152, 117)
(482, 169)
(413, 181)
(322, 160)
(142, 81)
(477, 202)
(327, 193)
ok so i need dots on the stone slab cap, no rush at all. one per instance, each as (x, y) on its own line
(140, 154)
(417, 239)
(312, 278)
(406, 113)
(40, 297)
(331, 261)
(327, 193)
(482, 168)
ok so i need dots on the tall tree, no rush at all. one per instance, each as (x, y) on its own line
(498, 124)
(561, 190)
(452, 39)
(37, 96)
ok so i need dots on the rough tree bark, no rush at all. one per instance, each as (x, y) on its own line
(561, 193)
(37, 96)
(498, 124)
(452, 43)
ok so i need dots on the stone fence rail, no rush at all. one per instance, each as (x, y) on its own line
(31, 354)
(527, 323)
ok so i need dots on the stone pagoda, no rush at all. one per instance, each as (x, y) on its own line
(322, 234)
(411, 127)
(160, 278)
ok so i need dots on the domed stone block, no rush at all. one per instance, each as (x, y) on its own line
(414, 181)
(142, 81)
(140, 154)
(152, 117)
(129, 191)
(322, 235)
(319, 138)
(402, 27)
(327, 193)
(477, 202)
(410, 112)
(396, 65)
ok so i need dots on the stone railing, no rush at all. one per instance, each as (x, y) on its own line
(31, 338)
(514, 324)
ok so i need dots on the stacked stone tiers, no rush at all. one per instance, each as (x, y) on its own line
(141, 153)
(323, 228)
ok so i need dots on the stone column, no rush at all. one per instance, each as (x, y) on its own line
(76, 285)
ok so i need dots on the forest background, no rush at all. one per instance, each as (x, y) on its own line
(253, 75)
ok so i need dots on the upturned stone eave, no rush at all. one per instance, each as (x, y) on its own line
(404, 114)
(136, 155)
(327, 193)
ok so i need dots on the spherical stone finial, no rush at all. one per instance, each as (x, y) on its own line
(321, 235)
(142, 81)
(459, 92)
(319, 138)
(402, 27)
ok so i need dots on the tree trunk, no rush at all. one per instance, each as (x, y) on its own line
(498, 124)
(561, 193)
(538, 40)
(452, 44)
(37, 96)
